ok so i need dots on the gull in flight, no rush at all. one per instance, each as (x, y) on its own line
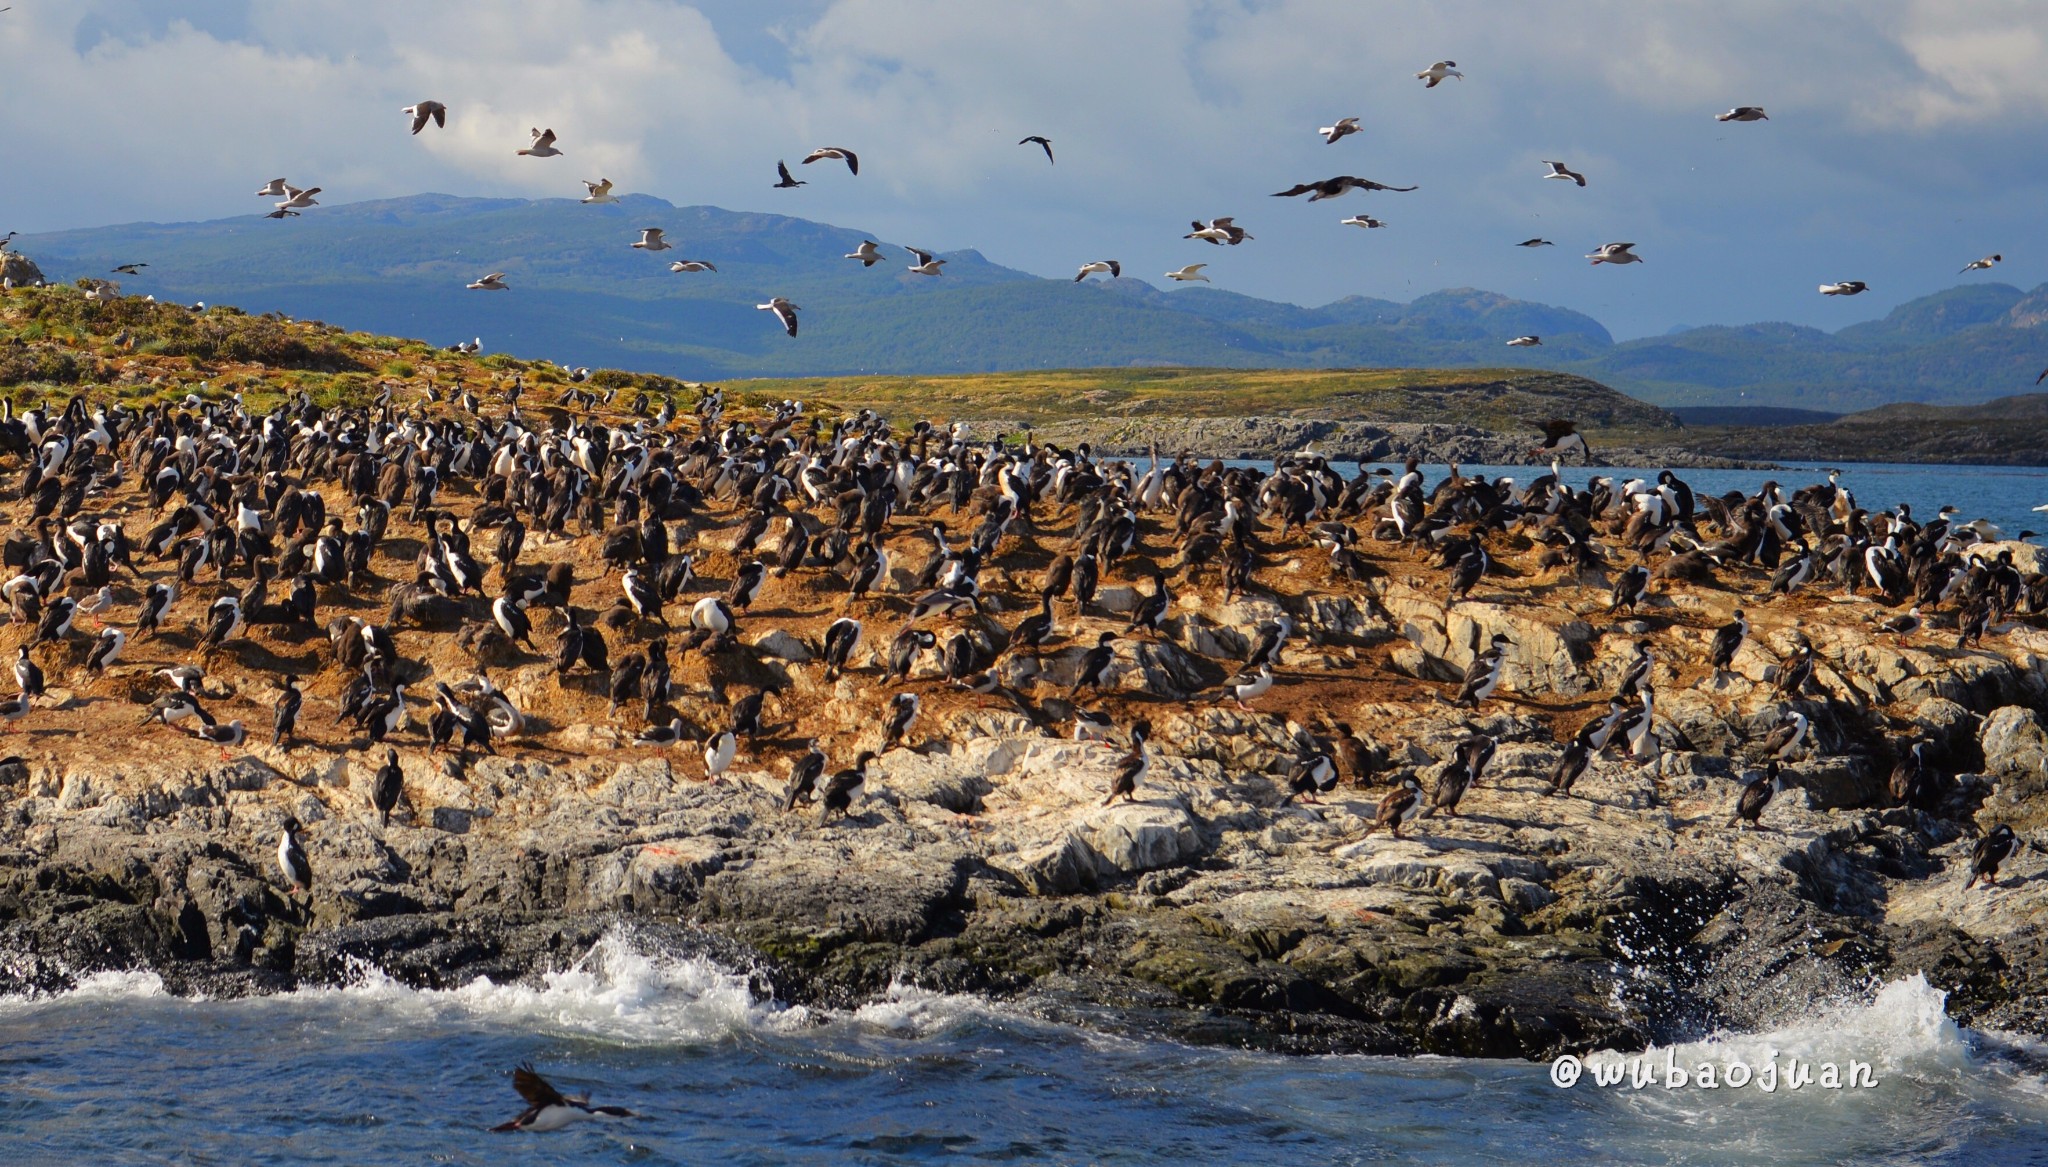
(851, 159)
(692, 265)
(273, 190)
(427, 111)
(1525, 342)
(1109, 267)
(1218, 231)
(1360, 221)
(1560, 170)
(131, 269)
(787, 183)
(865, 253)
(1743, 113)
(495, 282)
(1345, 127)
(1845, 288)
(296, 198)
(1044, 143)
(1192, 271)
(925, 265)
(1615, 253)
(1330, 188)
(600, 191)
(1438, 72)
(1539, 241)
(1982, 264)
(651, 240)
(543, 145)
(784, 311)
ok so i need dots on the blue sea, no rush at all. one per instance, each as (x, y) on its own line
(115, 1072)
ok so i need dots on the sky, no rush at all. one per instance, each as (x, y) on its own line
(1906, 137)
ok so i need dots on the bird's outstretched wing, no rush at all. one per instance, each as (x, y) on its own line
(535, 1089)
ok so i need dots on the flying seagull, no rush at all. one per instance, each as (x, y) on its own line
(1981, 264)
(925, 265)
(787, 183)
(1438, 72)
(651, 240)
(296, 198)
(1525, 342)
(1539, 241)
(851, 159)
(1615, 253)
(1845, 288)
(273, 190)
(1345, 127)
(693, 265)
(866, 253)
(600, 191)
(131, 269)
(1330, 188)
(1192, 271)
(543, 145)
(1560, 170)
(1743, 113)
(427, 111)
(495, 282)
(1218, 231)
(784, 311)
(1360, 221)
(1043, 142)
(1108, 266)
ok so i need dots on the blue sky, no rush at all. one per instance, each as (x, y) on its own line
(1906, 136)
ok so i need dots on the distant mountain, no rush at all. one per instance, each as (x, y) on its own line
(582, 296)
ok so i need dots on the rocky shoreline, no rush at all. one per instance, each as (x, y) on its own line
(1209, 910)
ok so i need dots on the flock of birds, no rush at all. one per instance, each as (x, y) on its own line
(237, 495)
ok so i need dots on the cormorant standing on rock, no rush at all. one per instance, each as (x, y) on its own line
(1757, 795)
(291, 859)
(803, 777)
(1309, 775)
(285, 716)
(1398, 807)
(1133, 767)
(386, 786)
(844, 787)
(903, 709)
(1482, 676)
(1721, 654)
(1987, 853)
(1094, 665)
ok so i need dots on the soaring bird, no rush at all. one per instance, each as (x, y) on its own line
(130, 269)
(271, 190)
(823, 153)
(926, 265)
(548, 1109)
(494, 282)
(1366, 221)
(1615, 253)
(1042, 142)
(692, 265)
(651, 240)
(1192, 271)
(868, 253)
(1109, 267)
(543, 145)
(1330, 188)
(1539, 241)
(788, 182)
(295, 198)
(1845, 288)
(1981, 264)
(1525, 342)
(427, 111)
(1344, 128)
(600, 191)
(1743, 113)
(1437, 72)
(1218, 231)
(1561, 436)
(1560, 170)
(784, 311)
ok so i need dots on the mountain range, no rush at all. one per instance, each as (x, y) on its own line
(580, 295)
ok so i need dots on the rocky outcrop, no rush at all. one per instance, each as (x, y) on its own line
(20, 269)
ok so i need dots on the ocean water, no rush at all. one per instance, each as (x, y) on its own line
(115, 1072)
(2006, 495)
